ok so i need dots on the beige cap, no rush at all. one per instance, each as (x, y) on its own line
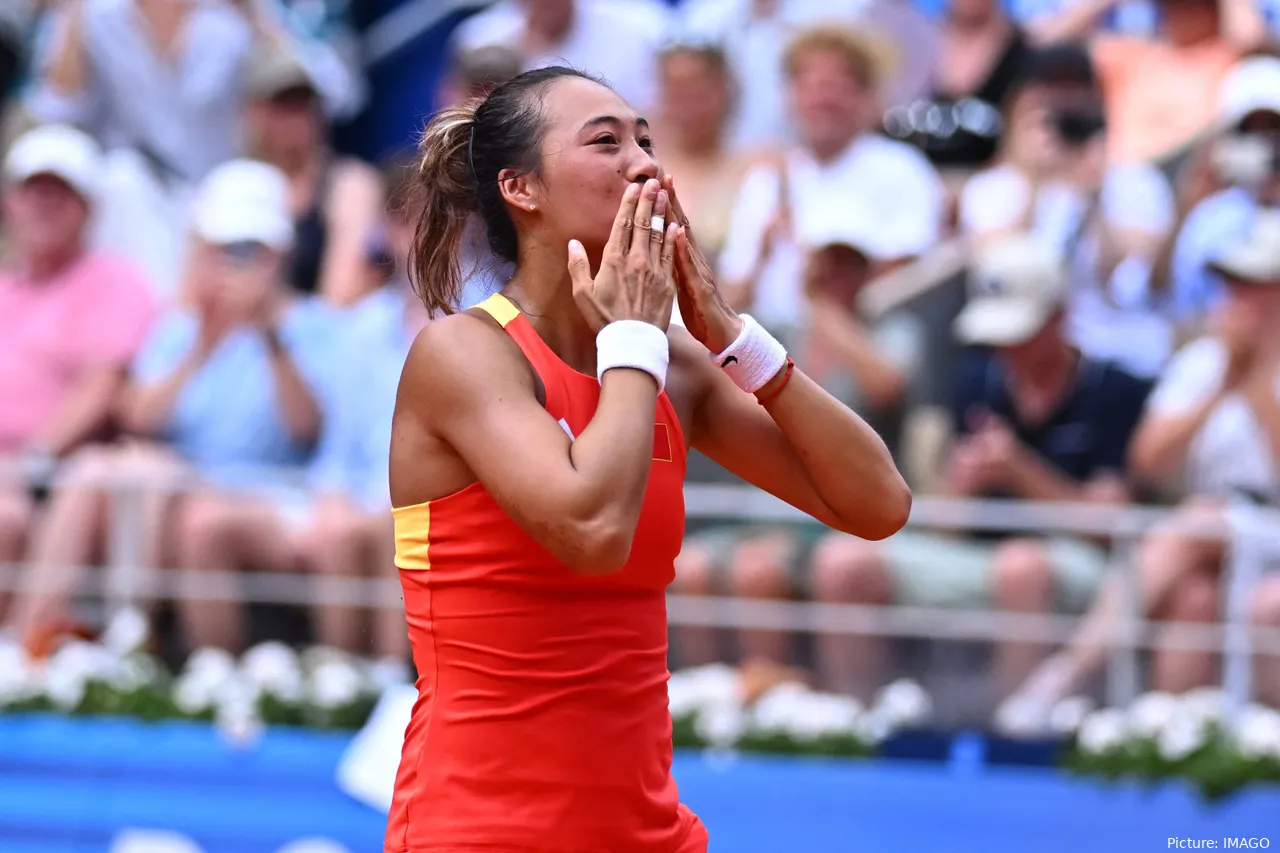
(273, 71)
(244, 201)
(1015, 286)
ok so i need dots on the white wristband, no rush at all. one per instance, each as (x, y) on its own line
(754, 358)
(635, 344)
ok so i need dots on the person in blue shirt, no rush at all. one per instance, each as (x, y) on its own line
(232, 384)
(1033, 420)
(1246, 157)
(352, 532)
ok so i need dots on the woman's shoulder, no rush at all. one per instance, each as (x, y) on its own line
(465, 351)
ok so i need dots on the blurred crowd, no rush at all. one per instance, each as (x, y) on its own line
(1036, 245)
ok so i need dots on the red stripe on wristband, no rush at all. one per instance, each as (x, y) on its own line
(786, 377)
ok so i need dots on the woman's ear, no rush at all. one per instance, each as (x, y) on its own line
(518, 189)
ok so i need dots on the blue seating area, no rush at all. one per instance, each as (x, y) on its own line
(70, 785)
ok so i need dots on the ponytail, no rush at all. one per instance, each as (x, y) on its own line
(445, 199)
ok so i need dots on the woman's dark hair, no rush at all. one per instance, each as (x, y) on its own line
(463, 149)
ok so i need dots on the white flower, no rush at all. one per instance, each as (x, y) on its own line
(335, 683)
(127, 632)
(1102, 731)
(779, 706)
(1257, 732)
(68, 671)
(273, 668)
(17, 676)
(1184, 734)
(210, 664)
(236, 712)
(1150, 713)
(1068, 715)
(388, 673)
(193, 694)
(693, 690)
(721, 725)
(135, 671)
(873, 727)
(1207, 704)
(904, 703)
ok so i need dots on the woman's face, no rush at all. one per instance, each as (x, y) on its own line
(289, 122)
(593, 146)
(695, 95)
(972, 10)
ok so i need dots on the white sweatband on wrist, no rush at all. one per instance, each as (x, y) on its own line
(635, 344)
(754, 358)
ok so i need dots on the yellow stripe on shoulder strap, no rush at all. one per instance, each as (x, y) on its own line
(500, 308)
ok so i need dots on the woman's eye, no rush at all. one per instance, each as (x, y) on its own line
(646, 143)
(605, 140)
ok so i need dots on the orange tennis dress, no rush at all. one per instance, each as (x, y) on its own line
(542, 721)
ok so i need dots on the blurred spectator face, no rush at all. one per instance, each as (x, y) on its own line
(972, 11)
(829, 99)
(287, 122)
(1042, 348)
(1257, 299)
(46, 216)
(548, 16)
(477, 72)
(695, 92)
(1188, 21)
(838, 272)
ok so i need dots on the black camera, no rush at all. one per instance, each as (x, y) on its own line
(1078, 126)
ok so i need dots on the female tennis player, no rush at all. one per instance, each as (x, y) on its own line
(537, 461)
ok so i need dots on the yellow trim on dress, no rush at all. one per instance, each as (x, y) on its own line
(500, 308)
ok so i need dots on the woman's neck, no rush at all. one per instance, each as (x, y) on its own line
(543, 291)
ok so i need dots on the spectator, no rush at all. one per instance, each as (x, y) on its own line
(1215, 413)
(475, 73)
(873, 365)
(957, 124)
(352, 533)
(832, 74)
(1161, 93)
(159, 84)
(1107, 220)
(1246, 159)
(754, 35)
(1033, 419)
(581, 33)
(336, 201)
(696, 99)
(70, 318)
(233, 384)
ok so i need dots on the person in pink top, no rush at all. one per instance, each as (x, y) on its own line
(70, 319)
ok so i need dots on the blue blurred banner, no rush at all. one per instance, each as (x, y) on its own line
(81, 785)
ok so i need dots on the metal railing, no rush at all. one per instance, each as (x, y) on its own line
(122, 584)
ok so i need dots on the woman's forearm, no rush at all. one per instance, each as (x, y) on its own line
(145, 410)
(847, 463)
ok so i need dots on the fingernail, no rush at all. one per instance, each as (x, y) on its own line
(661, 204)
(574, 246)
(651, 184)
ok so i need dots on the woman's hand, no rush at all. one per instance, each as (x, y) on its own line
(635, 280)
(703, 308)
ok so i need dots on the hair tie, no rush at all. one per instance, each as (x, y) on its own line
(471, 160)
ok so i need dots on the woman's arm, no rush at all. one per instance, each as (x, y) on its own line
(581, 497)
(806, 448)
(467, 387)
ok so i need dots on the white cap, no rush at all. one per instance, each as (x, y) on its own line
(1256, 257)
(1252, 85)
(842, 223)
(244, 201)
(59, 150)
(1015, 286)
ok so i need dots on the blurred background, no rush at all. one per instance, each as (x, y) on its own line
(1036, 244)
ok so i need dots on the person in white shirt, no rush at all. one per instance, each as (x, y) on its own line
(1107, 220)
(1216, 414)
(833, 73)
(614, 39)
